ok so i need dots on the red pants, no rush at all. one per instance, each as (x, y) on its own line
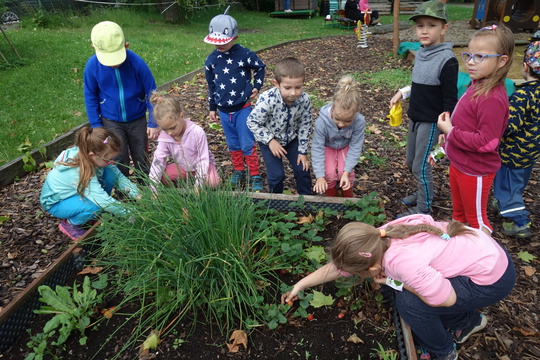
(470, 197)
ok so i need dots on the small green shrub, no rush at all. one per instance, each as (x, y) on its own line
(72, 311)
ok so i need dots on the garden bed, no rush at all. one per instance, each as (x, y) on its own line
(31, 241)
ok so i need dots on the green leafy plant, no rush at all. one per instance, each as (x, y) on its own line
(384, 354)
(367, 209)
(72, 308)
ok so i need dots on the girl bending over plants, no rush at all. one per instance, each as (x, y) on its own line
(446, 271)
(79, 187)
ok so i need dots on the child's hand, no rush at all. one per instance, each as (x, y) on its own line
(213, 117)
(254, 93)
(303, 159)
(276, 149)
(153, 133)
(444, 123)
(431, 161)
(320, 185)
(345, 183)
(397, 97)
(289, 296)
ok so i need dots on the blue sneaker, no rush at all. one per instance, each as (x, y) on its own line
(72, 231)
(256, 183)
(412, 211)
(238, 178)
(410, 200)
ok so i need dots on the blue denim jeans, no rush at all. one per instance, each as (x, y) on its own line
(432, 326)
(508, 188)
(275, 171)
(78, 210)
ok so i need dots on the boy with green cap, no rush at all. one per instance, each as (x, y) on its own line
(433, 91)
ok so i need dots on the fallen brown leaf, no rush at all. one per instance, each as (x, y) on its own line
(238, 337)
(90, 270)
(355, 339)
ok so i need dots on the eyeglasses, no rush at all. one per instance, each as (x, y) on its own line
(477, 58)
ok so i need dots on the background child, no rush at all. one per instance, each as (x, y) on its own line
(433, 90)
(117, 88)
(355, 10)
(183, 142)
(448, 271)
(337, 140)
(79, 187)
(520, 147)
(228, 75)
(281, 123)
(477, 124)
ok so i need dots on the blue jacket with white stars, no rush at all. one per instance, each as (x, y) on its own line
(228, 76)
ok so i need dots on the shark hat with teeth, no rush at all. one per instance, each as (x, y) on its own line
(222, 29)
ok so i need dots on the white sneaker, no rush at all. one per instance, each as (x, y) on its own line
(288, 10)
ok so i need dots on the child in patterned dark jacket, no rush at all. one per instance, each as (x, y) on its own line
(281, 122)
(520, 148)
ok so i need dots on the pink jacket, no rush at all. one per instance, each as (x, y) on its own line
(425, 261)
(191, 154)
(472, 145)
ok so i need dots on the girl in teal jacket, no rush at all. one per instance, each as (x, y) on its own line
(79, 187)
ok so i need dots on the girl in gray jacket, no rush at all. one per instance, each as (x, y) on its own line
(337, 140)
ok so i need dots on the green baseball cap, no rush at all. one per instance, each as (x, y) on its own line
(433, 8)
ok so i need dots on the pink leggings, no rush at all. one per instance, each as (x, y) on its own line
(334, 164)
(469, 198)
(174, 172)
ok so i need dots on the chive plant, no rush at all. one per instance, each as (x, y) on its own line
(191, 253)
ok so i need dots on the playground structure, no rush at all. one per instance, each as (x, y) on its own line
(516, 14)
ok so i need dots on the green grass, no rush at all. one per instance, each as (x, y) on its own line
(43, 98)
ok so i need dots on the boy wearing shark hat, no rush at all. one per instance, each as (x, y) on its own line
(229, 70)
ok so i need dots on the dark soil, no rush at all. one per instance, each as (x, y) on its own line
(30, 241)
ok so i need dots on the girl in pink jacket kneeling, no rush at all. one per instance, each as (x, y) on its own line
(184, 143)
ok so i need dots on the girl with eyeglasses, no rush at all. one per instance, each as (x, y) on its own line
(79, 186)
(472, 134)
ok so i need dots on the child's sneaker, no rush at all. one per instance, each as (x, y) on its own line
(452, 355)
(412, 211)
(512, 229)
(73, 231)
(256, 183)
(422, 354)
(238, 178)
(410, 200)
(462, 335)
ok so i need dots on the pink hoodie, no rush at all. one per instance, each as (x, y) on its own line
(425, 261)
(191, 154)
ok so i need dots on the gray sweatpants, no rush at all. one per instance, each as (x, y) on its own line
(134, 142)
(421, 138)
